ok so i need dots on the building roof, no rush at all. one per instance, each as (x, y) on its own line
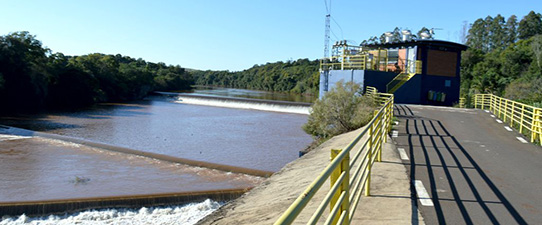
(427, 42)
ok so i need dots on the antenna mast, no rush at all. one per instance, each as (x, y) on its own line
(326, 36)
(328, 29)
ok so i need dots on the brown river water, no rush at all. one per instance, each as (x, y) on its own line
(37, 168)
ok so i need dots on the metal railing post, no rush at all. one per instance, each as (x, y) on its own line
(521, 119)
(369, 161)
(461, 102)
(493, 102)
(538, 125)
(380, 136)
(344, 166)
(535, 124)
(500, 108)
(512, 114)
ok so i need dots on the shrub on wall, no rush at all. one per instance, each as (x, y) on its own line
(340, 110)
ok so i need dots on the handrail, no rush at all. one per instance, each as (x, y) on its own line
(342, 198)
(398, 81)
(370, 61)
(462, 102)
(526, 118)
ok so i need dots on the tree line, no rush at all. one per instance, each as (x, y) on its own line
(504, 58)
(299, 76)
(32, 77)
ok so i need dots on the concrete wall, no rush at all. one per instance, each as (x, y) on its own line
(410, 92)
(447, 85)
(334, 76)
(378, 79)
(415, 91)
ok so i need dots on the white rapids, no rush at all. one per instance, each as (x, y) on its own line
(184, 214)
(297, 109)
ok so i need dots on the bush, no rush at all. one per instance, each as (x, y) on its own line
(340, 110)
(526, 91)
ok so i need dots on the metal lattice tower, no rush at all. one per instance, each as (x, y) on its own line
(327, 37)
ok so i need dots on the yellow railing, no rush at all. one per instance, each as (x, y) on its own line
(365, 61)
(398, 81)
(461, 102)
(404, 77)
(346, 185)
(526, 118)
(345, 62)
(418, 67)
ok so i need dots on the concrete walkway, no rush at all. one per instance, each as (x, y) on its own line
(473, 166)
(390, 203)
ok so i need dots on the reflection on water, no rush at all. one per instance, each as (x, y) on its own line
(243, 93)
(245, 138)
(43, 169)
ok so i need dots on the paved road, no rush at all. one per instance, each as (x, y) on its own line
(474, 170)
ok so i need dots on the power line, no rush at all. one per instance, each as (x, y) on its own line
(340, 28)
(336, 38)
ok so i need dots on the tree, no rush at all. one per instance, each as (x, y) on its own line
(497, 33)
(530, 25)
(501, 64)
(478, 36)
(300, 76)
(32, 78)
(373, 40)
(423, 30)
(464, 32)
(527, 91)
(537, 50)
(24, 74)
(511, 29)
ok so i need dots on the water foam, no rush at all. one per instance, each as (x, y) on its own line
(185, 214)
(8, 137)
(297, 109)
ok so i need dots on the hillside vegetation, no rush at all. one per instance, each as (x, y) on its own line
(504, 58)
(299, 76)
(32, 77)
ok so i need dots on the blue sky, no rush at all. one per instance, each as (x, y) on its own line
(232, 34)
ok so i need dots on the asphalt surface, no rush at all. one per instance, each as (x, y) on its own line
(474, 170)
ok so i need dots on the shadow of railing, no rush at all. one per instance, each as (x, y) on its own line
(429, 141)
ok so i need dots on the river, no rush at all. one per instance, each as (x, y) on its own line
(239, 137)
(36, 169)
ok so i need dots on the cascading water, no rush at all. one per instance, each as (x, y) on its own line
(244, 103)
(185, 214)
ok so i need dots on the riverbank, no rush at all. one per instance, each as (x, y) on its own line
(390, 202)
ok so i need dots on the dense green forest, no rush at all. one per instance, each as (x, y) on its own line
(300, 76)
(504, 58)
(32, 77)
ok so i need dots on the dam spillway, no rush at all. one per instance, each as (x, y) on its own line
(256, 139)
(241, 103)
(237, 137)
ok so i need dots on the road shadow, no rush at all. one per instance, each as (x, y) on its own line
(432, 147)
